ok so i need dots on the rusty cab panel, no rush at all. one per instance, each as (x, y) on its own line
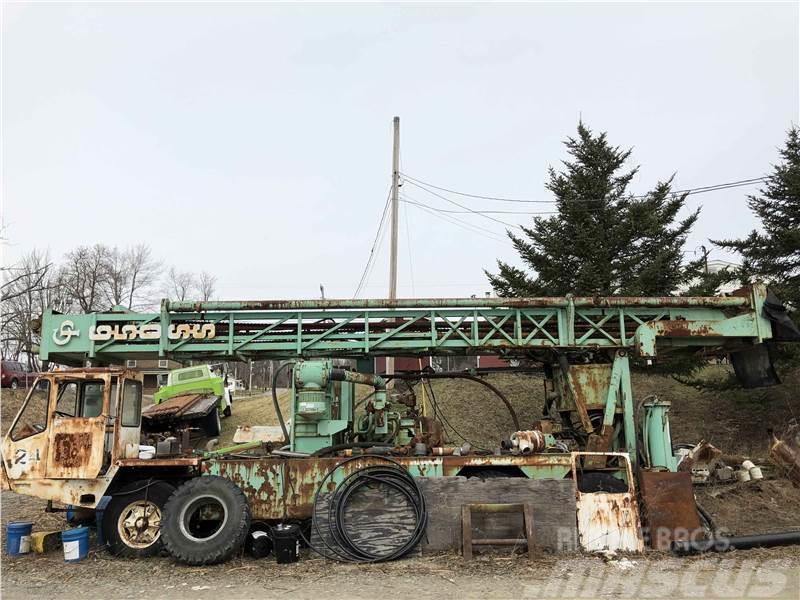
(73, 425)
(78, 424)
(26, 443)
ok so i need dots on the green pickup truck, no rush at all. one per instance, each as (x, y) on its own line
(193, 398)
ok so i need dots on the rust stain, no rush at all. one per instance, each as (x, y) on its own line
(72, 449)
(683, 328)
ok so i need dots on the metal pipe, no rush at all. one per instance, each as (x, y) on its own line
(376, 381)
(424, 303)
(721, 544)
(289, 454)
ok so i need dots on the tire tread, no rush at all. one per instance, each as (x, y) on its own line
(181, 549)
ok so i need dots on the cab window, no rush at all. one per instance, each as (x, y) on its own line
(112, 404)
(67, 403)
(131, 403)
(80, 399)
(92, 400)
(33, 418)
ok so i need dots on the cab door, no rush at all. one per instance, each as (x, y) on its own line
(129, 416)
(26, 445)
(78, 426)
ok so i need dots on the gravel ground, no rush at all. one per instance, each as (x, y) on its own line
(755, 573)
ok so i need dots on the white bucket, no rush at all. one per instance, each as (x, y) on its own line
(743, 475)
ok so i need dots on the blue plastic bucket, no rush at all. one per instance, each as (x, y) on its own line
(76, 544)
(18, 538)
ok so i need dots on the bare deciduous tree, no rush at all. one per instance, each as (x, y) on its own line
(130, 276)
(84, 274)
(180, 285)
(31, 286)
(206, 285)
(115, 283)
(143, 271)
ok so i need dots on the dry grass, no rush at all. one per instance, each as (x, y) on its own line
(254, 410)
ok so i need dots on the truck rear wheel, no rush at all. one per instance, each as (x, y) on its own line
(206, 521)
(211, 423)
(132, 520)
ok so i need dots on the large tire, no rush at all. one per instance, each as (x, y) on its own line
(206, 521)
(132, 520)
(211, 423)
(14, 384)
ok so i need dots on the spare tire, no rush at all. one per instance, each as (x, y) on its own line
(205, 521)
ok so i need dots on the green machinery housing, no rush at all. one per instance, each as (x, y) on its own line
(586, 345)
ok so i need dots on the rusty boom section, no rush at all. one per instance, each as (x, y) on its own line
(512, 327)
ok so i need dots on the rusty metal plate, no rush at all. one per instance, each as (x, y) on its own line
(669, 508)
(188, 405)
(76, 447)
(608, 521)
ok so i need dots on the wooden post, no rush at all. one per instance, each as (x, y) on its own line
(466, 531)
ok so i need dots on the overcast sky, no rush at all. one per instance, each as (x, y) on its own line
(254, 140)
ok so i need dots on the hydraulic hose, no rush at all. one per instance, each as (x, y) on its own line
(275, 400)
(348, 446)
(336, 534)
(460, 375)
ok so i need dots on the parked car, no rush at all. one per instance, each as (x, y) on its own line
(14, 375)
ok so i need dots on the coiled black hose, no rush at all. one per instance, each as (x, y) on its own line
(336, 534)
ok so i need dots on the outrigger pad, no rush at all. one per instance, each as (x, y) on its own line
(783, 328)
(754, 368)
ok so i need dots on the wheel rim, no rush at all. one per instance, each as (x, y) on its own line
(139, 524)
(14, 385)
(203, 518)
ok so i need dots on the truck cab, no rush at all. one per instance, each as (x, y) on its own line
(72, 430)
(194, 380)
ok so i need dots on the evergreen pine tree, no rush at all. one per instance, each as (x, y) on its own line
(773, 255)
(604, 240)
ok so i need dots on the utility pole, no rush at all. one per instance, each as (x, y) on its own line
(393, 253)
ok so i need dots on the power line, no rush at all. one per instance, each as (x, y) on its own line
(488, 233)
(688, 191)
(371, 258)
(467, 208)
(463, 224)
(408, 244)
(503, 212)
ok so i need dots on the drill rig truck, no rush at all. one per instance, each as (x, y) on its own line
(77, 438)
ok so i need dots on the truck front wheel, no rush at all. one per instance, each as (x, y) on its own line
(132, 520)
